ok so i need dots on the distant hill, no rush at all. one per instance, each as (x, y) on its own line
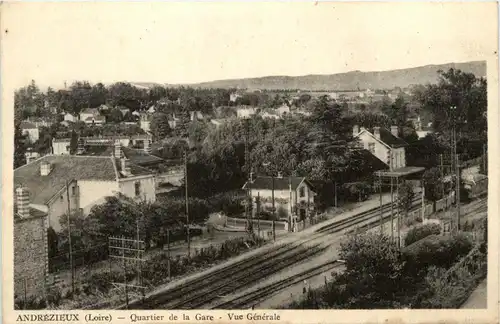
(350, 80)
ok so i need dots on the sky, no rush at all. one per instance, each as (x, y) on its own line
(194, 42)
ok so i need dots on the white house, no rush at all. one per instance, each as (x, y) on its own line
(145, 122)
(292, 195)
(246, 112)
(56, 183)
(92, 116)
(70, 118)
(386, 145)
(283, 110)
(30, 130)
(61, 146)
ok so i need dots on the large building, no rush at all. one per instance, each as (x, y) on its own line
(386, 145)
(292, 195)
(57, 183)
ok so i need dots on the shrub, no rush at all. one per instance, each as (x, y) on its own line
(438, 251)
(419, 232)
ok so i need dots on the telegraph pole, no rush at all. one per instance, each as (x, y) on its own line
(187, 204)
(381, 213)
(69, 242)
(392, 211)
(274, 212)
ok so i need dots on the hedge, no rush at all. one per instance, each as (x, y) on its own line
(435, 250)
(419, 232)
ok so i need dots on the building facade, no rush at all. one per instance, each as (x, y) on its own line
(386, 145)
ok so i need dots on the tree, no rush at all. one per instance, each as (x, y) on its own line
(19, 147)
(464, 91)
(115, 116)
(374, 274)
(160, 126)
(433, 184)
(73, 143)
(406, 195)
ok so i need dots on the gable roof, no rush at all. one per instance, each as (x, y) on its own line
(94, 111)
(140, 157)
(27, 125)
(63, 167)
(96, 118)
(387, 138)
(266, 183)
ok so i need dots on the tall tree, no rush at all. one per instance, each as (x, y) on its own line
(160, 126)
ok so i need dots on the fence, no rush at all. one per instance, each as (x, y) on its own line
(263, 224)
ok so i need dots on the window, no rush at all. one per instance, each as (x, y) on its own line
(371, 148)
(137, 189)
(62, 198)
(401, 158)
(302, 192)
(73, 190)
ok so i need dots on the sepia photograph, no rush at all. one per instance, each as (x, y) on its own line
(259, 157)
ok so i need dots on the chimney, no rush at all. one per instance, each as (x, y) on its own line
(395, 130)
(45, 168)
(118, 150)
(355, 130)
(376, 132)
(125, 166)
(23, 202)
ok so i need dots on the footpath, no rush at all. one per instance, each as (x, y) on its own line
(477, 300)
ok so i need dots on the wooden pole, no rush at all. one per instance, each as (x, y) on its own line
(168, 254)
(392, 211)
(274, 212)
(187, 205)
(381, 214)
(397, 209)
(258, 212)
(69, 242)
(125, 271)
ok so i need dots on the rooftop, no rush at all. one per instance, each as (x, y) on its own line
(63, 168)
(405, 171)
(282, 183)
(389, 139)
(90, 111)
(27, 125)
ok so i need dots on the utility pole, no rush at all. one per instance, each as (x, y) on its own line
(442, 182)
(485, 165)
(458, 190)
(168, 253)
(397, 210)
(335, 189)
(187, 204)
(392, 211)
(274, 211)
(381, 212)
(257, 206)
(69, 242)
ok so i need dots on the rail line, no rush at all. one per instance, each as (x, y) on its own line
(208, 288)
(249, 299)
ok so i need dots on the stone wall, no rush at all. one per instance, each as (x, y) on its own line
(30, 256)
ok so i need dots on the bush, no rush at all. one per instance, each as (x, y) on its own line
(32, 303)
(419, 232)
(438, 251)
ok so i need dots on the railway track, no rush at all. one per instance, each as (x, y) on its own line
(253, 297)
(207, 289)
